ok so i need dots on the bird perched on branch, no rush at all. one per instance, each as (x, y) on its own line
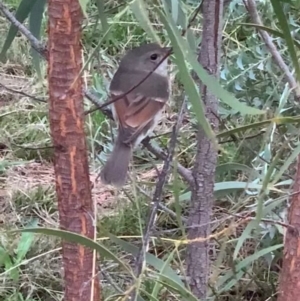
(138, 106)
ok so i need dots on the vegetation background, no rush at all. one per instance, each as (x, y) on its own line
(253, 176)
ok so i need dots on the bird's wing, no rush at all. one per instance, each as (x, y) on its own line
(135, 112)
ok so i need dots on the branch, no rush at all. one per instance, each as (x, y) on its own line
(157, 198)
(22, 93)
(184, 172)
(252, 9)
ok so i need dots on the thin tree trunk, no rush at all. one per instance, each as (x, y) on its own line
(289, 286)
(70, 160)
(198, 267)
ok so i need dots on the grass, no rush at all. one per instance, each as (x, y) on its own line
(27, 189)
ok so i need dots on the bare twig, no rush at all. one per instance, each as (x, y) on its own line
(22, 93)
(251, 7)
(157, 197)
(95, 100)
(235, 139)
(184, 172)
(111, 282)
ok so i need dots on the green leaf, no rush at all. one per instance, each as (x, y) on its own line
(174, 286)
(232, 166)
(245, 235)
(210, 81)
(185, 76)
(4, 164)
(8, 264)
(224, 188)
(25, 242)
(269, 30)
(277, 120)
(283, 22)
(80, 239)
(4, 257)
(287, 163)
(83, 4)
(175, 10)
(138, 7)
(243, 264)
(21, 14)
(166, 264)
(35, 22)
(102, 15)
(214, 86)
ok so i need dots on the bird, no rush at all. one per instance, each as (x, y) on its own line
(138, 112)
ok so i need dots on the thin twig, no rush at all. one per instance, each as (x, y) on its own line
(157, 197)
(183, 171)
(95, 100)
(22, 93)
(112, 282)
(252, 9)
(193, 18)
(244, 138)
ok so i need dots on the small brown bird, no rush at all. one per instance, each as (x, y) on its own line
(137, 113)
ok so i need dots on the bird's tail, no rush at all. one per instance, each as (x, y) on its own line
(115, 170)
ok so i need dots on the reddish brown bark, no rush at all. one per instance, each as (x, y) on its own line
(202, 199)
(289, 287)
(67, 130)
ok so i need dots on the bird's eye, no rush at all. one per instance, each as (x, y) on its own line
(153, 56)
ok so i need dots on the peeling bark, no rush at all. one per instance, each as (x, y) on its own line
(70, 159)
(198, 267)
(289, 286)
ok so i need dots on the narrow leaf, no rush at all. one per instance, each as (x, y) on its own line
(283, 22)
(80, 239)
(25, 242)
(244, 263)
(102, 15)
(22, 13)
(270, 30)
(208, 80)
(185, 76)
(277, 120)
(35, 22)
(175, 287)
(286, 164)
(138, 7)
(245, 235)
(232, 166)
(83, 4)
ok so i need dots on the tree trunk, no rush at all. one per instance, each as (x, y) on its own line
(289, 286)
(198, 267)
(70, 159)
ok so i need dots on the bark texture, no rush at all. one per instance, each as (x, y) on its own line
(70, 159)
(289, 286)
(198, 267)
